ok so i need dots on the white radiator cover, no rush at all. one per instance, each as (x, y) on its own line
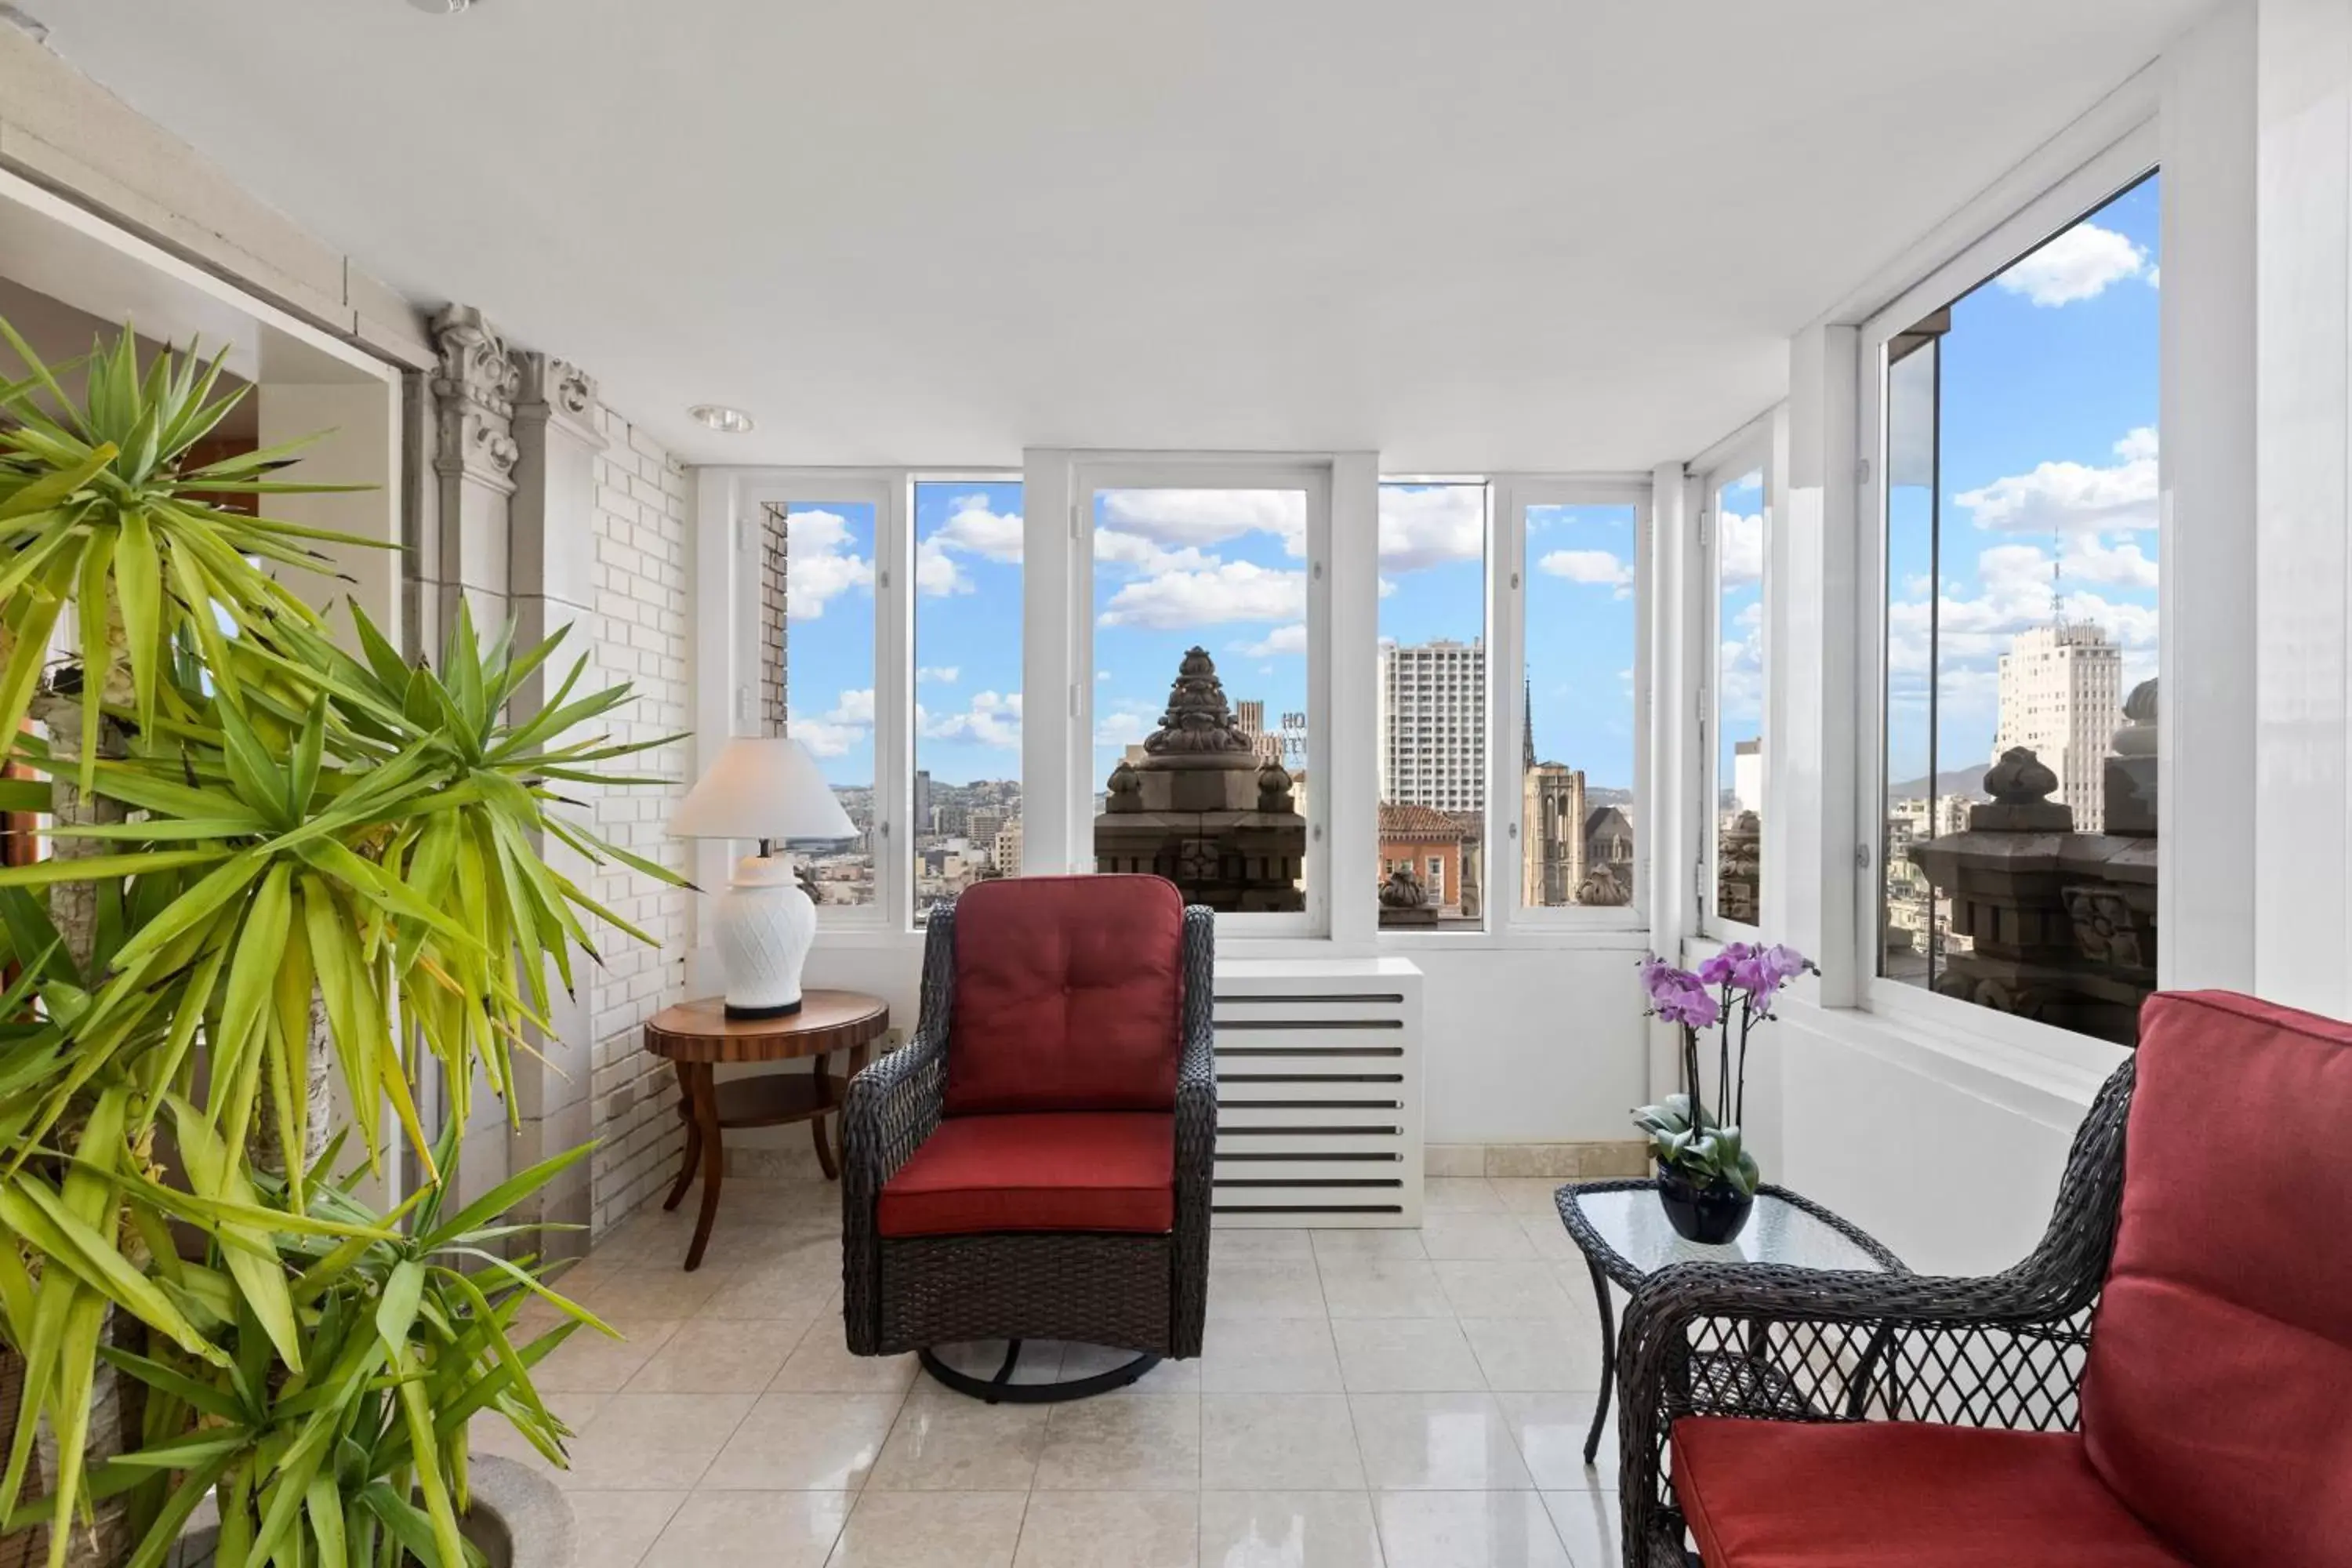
(1319, 1093)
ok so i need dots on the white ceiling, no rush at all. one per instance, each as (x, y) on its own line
(1556, 234)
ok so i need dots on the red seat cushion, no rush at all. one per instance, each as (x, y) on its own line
(2217, 1401)
(1071, 1170)
(1896, 1494)
(1067, 995)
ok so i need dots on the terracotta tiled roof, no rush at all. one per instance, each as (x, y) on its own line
(1417, 822)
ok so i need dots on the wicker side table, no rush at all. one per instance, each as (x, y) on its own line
(1624, 1235)
(698, 1036)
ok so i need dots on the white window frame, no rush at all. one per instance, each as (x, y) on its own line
(1089, 476)
(888, 491)
(1749, 449)
(907, 479)
(1493, 608)
(1512, 496)
(2104, 175)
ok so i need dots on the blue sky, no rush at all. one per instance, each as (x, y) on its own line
(1224, 568)
(2047, 445)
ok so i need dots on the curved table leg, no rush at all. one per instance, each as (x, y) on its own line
(693, 1156)
(1608, 1360)
(714, 1161)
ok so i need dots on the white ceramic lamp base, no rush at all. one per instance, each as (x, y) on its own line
(762, 926)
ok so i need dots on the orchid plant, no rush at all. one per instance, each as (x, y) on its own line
(1701, 1143)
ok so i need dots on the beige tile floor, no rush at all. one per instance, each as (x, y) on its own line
(1413, 1398)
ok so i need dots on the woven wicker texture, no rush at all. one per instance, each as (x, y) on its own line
(1129, 1293)
(1795, 1345)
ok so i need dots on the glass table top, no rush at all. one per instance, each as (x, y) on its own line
(1635, 1225)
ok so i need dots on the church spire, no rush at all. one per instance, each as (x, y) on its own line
(1527, 727)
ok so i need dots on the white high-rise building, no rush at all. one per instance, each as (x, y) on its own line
(1433, 725)
(2062, 698)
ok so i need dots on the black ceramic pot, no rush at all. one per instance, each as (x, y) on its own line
(1711, 1215)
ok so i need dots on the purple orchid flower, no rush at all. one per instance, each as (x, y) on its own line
(1719, 966)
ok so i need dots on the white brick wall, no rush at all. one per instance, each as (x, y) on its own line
(640, 637)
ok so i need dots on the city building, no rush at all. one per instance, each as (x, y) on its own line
(1005, 851)
(1249, 716)
(1433, 724)
(1748, 775)
(1551, 818)
(1430, 843)
(2061, 699)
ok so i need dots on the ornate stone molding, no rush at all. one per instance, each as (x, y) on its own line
(556, 391)
(474, 391)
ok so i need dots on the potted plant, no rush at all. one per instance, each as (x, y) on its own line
(272, 861)
(1706, 1178)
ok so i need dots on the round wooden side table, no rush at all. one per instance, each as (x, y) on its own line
(696, 1035)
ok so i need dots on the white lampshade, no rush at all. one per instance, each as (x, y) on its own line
(761, 786)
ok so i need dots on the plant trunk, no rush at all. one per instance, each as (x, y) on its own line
(261, 1146)
(117, 1403)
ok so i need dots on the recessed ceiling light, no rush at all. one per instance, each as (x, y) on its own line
(441, 8)
(719, 417)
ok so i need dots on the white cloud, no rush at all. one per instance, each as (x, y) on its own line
(994, 718)
(1177, 518)
(2013, 595)
(944, 673)
(936, 572)
(1290, 638)
(1229, 591)
(971, 529)
(1598, 568)
(1739, 548)
(1125, 725)
(2074, 496)
(853, 707)
(1388, 587)
(821, 564)
(973, 526)
(2076, 265)
(1133, 551)
(851, 720)
(1102, 675)
(1431, 526)
(825, 740)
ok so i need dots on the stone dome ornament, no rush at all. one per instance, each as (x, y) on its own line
(1197, 721)
(2020, 785)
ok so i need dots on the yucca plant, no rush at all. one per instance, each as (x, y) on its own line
(271, 861)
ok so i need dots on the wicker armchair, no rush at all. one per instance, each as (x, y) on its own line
(2174, 1450)
(1044, 1276)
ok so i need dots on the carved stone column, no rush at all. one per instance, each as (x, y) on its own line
(551, 587)
(474, 459)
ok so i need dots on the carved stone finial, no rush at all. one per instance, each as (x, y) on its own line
(2140, 706)
(1124, 791)
(2020, 785)
(1403, 890)
(2020, 778)
(1198, 720)
(1272, 788)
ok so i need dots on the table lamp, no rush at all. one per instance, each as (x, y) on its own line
(763, 787)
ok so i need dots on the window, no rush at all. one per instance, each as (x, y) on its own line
(1736, 531)
(1576, 755)
(1431, 726)
(965, 814)
(817, 669)
(1206, 695)
(2020, 631)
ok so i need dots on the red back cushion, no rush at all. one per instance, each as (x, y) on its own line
(1067, 995)
(2218, 1398)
